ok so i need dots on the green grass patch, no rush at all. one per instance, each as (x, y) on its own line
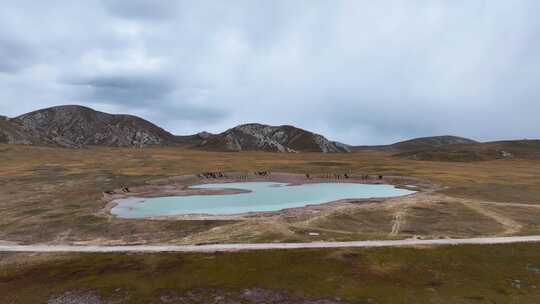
(454, 274)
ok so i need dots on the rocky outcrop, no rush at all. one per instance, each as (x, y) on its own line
(77, 126)
(11, 132)
(259, 137)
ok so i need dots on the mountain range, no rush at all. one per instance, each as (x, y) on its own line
(74, 126)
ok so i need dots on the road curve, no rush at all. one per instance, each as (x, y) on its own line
(266, 246)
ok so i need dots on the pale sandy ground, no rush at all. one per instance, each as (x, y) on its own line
(269, 246)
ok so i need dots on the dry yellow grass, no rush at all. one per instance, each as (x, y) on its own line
(53, 194)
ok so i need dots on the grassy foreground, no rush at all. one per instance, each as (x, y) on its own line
(460, 274)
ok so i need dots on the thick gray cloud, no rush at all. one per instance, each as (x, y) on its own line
(362, 72)
(125, 88)
(14, 56)
(142, 9)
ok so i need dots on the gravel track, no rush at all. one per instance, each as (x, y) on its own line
(266, 246)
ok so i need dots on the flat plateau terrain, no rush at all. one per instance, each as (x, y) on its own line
(56, 196)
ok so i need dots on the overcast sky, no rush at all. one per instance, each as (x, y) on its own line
(361, 72)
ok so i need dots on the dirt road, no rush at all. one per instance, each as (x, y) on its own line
(266, 246)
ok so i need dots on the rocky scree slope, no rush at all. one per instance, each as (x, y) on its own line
(77, 126)
(257, 137)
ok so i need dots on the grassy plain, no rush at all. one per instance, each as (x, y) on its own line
(54, 195)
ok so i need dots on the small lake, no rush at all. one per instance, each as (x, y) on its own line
(264, 196)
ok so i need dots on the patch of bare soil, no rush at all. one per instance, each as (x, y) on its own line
(511, 227)
(252, 295)
(88, 297)
(201, 296)
(76, 297)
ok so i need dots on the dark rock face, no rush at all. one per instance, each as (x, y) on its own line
(77, 126)
(4, 138)
(11, 132)
(258, 137)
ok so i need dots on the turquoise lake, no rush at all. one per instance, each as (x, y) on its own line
(264, 196)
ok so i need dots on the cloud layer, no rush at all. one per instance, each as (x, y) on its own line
(362, 72)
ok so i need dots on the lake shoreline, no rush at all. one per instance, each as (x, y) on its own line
(181, 186)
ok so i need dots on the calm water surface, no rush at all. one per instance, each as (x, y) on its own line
(264, 196)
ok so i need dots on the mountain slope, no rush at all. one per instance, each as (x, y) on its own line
(431, 142)
(421, 143)
(77, 126)
(511, 149)
(11, 132)
(270, 138)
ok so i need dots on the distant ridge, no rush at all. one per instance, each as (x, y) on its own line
(431, 142)
(458, 149)
(420, 143)
(510, 149)
(76, 126)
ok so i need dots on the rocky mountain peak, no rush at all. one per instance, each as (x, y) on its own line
(285, 138)
(77, 126)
